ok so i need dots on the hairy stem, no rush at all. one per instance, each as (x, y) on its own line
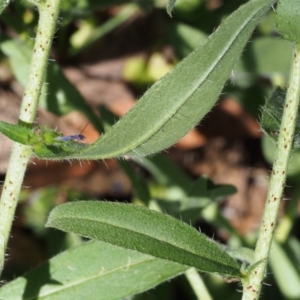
(252, 284)
(21, 154)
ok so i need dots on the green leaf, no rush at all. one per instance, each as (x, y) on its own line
(19, 57)
(17, 133)
(3, 4)
(285, 271)
(165, 172)
(287, 19)
(94, 270)
(187, 204)
(177, 194)
(204, 187)
(177, 102)
(243, 254)
(185, 38)
(61, 97)
(74, 9)
(170, 7)
(144, 230)
(42, 139)
(269, 149)
(256, 63)
(82, 41)
(272, 114)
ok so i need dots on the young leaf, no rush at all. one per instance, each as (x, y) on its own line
(91, 270)
(138, 228)
(17, 133)
(272, 114)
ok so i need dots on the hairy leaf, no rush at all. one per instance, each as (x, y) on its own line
(138, 228)
(287, 19)
(177, 102)
(94, 270)
(272, 114)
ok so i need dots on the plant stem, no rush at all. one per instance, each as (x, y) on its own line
(252, 284)
(197, 284)
(21, 154)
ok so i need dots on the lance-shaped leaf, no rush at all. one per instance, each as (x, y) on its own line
(177, 102)
(147, 231)
(94, 270)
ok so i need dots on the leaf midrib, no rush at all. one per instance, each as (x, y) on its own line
(89, 278)
(159, 125)
(147, 236)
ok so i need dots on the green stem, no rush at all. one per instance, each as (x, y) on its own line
(197, 284)
(252, 284)
(21, 154)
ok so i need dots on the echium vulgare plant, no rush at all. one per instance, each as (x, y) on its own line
(133, 240)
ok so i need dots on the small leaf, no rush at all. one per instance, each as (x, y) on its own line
(92, 271)
(170, 6)
(246, 255)
(204, 187)
(44, 141)
(144, 230)
(17, 133)
(272, 114)
(287, 19)
(3, 5)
